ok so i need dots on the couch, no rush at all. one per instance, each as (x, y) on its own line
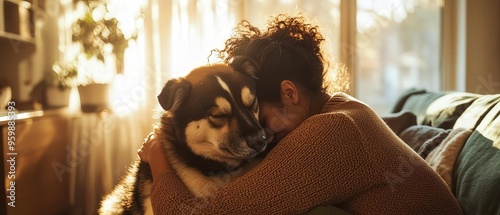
(458, 134)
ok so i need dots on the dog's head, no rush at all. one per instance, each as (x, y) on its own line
(215, 111)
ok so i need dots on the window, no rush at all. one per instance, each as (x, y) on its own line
(397, 44)
(398, 47)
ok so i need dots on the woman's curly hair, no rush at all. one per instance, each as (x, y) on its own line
(288, 49)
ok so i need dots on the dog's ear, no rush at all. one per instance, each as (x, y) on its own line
(246, 65)
(174, 94)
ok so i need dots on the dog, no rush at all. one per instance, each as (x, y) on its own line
(209, 131)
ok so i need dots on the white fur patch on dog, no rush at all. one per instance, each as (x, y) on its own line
(224, 85)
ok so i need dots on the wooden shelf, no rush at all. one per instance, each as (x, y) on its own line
(17, 19)
(17, 37)
(34, 5)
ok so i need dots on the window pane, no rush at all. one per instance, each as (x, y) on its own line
(398, 47)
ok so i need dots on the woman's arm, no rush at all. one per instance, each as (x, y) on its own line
(321, 162)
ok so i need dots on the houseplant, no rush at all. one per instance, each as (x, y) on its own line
(59, 83)
(98, 29)
(99, 36)
(66, 74)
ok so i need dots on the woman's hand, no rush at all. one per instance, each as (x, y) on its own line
(143, 152)
(152, 152)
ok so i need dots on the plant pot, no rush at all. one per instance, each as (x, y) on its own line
(57, 97)
(94, 97)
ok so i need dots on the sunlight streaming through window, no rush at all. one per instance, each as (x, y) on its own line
(197, 28)
(398, 47)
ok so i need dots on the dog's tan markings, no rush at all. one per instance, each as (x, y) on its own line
(223, 105)
(247, 97)
(249, 100)
(256, 111)
(196, 133)
(206, 141)
(219, 115)
(224, 85)
(148, 209)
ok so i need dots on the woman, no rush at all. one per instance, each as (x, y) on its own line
(332, 149)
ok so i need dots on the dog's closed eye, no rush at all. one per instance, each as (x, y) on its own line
(218, 119)
(219, 116)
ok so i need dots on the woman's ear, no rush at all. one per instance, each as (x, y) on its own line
(289, 92)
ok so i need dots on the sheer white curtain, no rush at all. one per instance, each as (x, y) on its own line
(181, 33)
(105, 143)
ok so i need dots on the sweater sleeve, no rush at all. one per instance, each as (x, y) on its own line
(320, 162)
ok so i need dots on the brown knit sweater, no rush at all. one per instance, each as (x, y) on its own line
(345, 156)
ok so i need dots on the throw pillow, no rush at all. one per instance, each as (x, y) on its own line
(477, 169)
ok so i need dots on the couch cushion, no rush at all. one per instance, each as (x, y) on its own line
(477, 169)
(419, 136)
(398, 122)
(443, 158)
(445, 110)
(419, 103)
(473, 115)
(432, 143)
(398, 106)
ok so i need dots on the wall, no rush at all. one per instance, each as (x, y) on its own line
(483, 46)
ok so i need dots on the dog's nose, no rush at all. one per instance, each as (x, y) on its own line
(257, 141)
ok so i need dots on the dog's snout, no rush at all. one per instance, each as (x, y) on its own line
(257, 141)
